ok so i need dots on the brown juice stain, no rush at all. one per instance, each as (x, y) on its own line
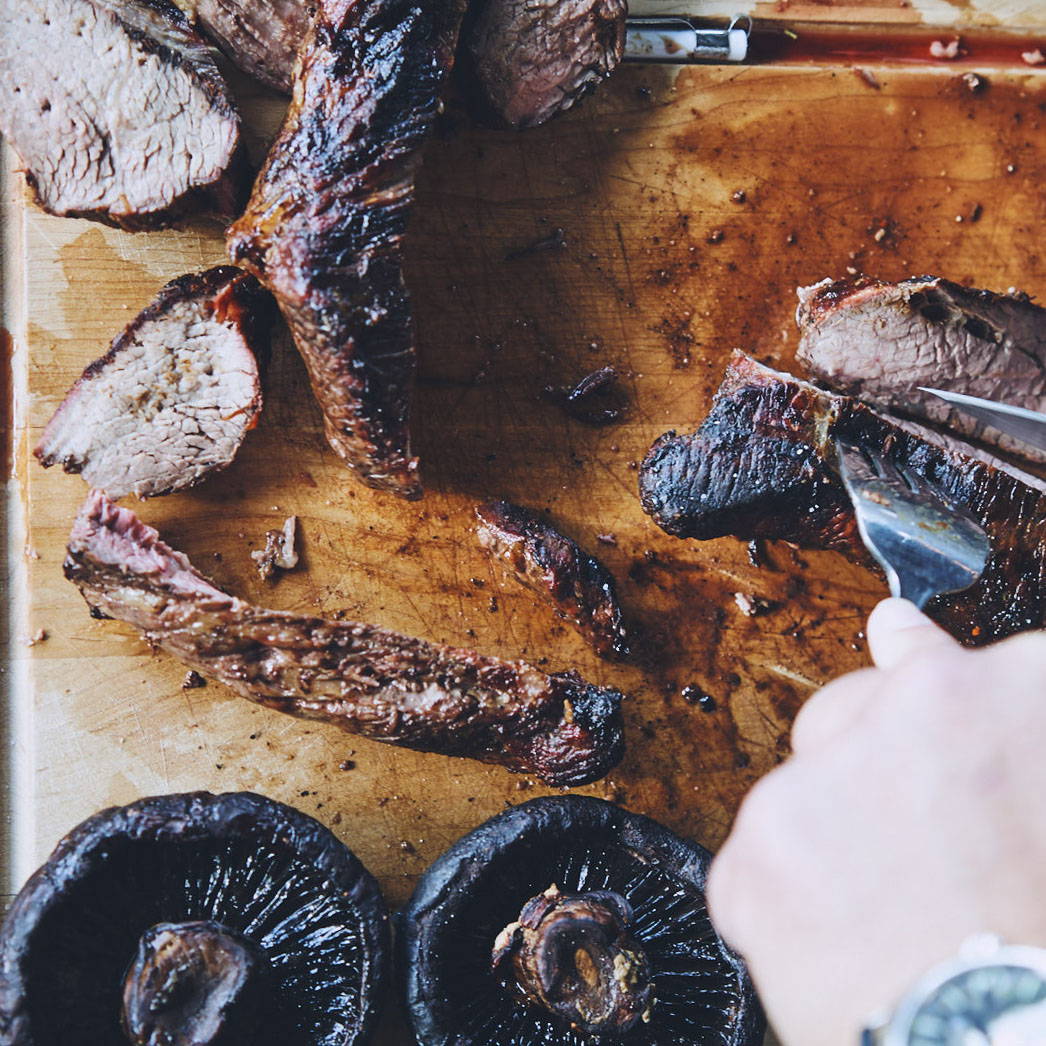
(639, 178)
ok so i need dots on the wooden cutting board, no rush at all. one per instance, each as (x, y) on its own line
(664, 269)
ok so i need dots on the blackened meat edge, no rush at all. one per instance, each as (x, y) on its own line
(762, 466)
(324, 228)
(366, 680)
(580, 589)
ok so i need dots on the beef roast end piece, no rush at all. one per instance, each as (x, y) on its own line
(534, 60)
(364, 679)
(176, 393)
(324, 228)
(881, 341)
(579, 588)
(762, 465)
(118, 112)
(262, 37)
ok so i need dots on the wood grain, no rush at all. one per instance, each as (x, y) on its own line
(641, 180)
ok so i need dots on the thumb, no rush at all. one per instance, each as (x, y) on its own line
(897, 629)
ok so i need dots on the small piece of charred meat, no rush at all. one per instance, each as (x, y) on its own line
(195, 920)
(262, 37)
(881, 341)
(580, 589)
(762, 465)
(175, 395)
(324, 228)
(536, 58)
(569, 920)
(364, 679)
(279, 552)
(118, 112)
(596, 399)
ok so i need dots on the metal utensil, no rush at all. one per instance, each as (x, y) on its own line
(1024, 424)
(926, 544)
(681, 40)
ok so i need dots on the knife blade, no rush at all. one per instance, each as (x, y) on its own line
(1023, 424)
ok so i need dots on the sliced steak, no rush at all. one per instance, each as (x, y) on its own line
(881, 341)
(367, 680)
(176, 393)
(118, 111)
(762, 466)
(324, 227)
(536, 58)
(580, 589)
(262, 37)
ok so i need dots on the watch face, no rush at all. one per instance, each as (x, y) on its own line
(1002, 1005)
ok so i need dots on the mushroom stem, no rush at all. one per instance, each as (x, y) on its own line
(575, 956)
(192, 984)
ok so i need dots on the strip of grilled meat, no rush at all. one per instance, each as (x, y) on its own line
(881, 341)
(580, 589)
(325, 224)
(364, 679)
(762, 466)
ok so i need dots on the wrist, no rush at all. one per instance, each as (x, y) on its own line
(990, 993)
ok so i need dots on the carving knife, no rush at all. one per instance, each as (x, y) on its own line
(1026, 425)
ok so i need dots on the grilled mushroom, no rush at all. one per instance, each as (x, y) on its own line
(195, 920)
(568, 920)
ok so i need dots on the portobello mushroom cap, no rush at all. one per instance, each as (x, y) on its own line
(195, 920)
(566, 920)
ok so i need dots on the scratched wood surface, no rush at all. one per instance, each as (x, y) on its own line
(661, 273)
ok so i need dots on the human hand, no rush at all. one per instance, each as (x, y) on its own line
(910, 817)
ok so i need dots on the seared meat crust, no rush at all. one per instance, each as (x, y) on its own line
(364, 679)
(762, 466)
(580, 589)
(324, 228)
(881, 341)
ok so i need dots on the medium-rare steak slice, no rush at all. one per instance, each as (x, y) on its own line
(580, 589)
(118, 111)
(762, 465)
(262, 37)
(176, 393)
(325, 224)
(536, 58)
(367, 680)
(880, 341)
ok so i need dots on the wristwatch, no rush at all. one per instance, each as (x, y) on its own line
(991, 994)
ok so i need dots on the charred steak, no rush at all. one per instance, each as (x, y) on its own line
(117, 111)
(366, 680)
(881, 341)
(580, 589)
(175, 395)
(262, 37)
(761, 465)
(536, 58)
(324, 228)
